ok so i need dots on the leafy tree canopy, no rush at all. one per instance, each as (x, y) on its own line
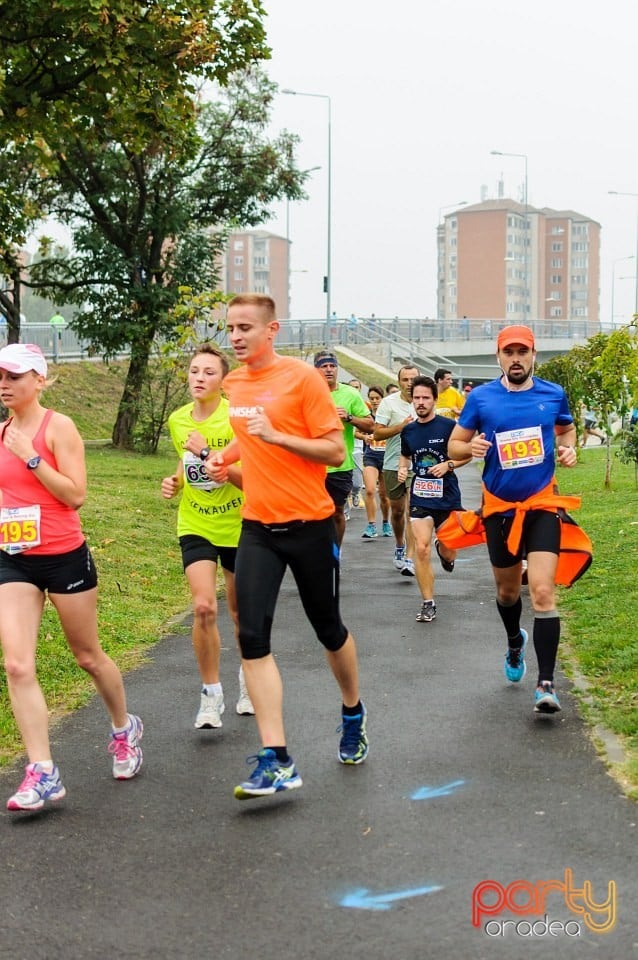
(72, 60)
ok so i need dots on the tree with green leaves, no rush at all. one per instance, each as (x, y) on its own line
(602, 375)
(68, 64)
(147, 223)
(145, 172)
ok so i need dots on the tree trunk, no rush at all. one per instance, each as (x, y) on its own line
(10, 305)
(128, 410)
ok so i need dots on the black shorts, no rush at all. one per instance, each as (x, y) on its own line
(339, 486)
(196, 548)
(541, 532)
(309, 548)
(421, 513)
(72, 572)
(373, 460)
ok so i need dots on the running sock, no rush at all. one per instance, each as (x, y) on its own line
(355, 711)
(46, 765)
(281, 753)
(211, 689)
(511, 617)
(546, 639)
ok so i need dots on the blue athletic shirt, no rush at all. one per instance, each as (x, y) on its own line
(426, 445)
(520, 426)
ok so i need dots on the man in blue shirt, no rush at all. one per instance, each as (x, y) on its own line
(515, 423)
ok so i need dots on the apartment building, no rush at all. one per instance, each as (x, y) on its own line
(256, 261)
(503, 260)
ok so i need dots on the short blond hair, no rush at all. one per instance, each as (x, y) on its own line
(261, 300)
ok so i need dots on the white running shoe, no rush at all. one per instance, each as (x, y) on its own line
(244, 704)
(127, 754)
(210, 712)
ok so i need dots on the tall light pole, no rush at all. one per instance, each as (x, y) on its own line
(613, 286)
(328, 278)
(523, 156)
(449, 206)
(622, 193)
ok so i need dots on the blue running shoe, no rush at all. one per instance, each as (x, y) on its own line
(353, 747)
(37, 787)
(514, 666)
(370, 532)
(399, 558)
(269, 776)
(545, 699)
(387, 529)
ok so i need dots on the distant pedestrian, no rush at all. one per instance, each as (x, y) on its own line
(373, 453)
(394, 411)
(357, 458)
(354, 414)
(589, 427)
(286, 431)
(43, 552)
(450, 401)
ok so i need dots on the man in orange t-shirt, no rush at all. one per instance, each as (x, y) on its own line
(286, 432)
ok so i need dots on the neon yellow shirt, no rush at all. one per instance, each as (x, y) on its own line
(207, 509)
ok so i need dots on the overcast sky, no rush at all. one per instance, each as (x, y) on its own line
(421, 92)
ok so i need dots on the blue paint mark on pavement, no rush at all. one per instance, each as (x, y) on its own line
(426, 793)
(362, 899)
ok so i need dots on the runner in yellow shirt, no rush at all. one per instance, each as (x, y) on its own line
(208, 521)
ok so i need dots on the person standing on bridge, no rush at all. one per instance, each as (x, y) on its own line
(43, 551)
(521, 425)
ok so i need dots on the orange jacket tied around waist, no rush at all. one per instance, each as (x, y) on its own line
(464, 528)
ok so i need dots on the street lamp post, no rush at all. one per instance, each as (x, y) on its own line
(622, 193)
(328, 278)
(449, 206)
(523, 156)
(613, 286)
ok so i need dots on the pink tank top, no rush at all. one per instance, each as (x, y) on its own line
(59, 525)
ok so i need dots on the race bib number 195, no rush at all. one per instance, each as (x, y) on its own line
(19, 528)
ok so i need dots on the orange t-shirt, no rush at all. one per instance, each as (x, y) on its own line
(279, 485)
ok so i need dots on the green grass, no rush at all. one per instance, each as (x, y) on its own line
(131, 531)
(600, 610)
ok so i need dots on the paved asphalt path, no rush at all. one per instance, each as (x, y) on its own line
(463, 784)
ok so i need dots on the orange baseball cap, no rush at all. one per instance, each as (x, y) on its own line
(515, 334)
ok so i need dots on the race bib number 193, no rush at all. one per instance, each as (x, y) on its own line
(520, 448)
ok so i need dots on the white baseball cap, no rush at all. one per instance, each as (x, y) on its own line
(22, 357)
